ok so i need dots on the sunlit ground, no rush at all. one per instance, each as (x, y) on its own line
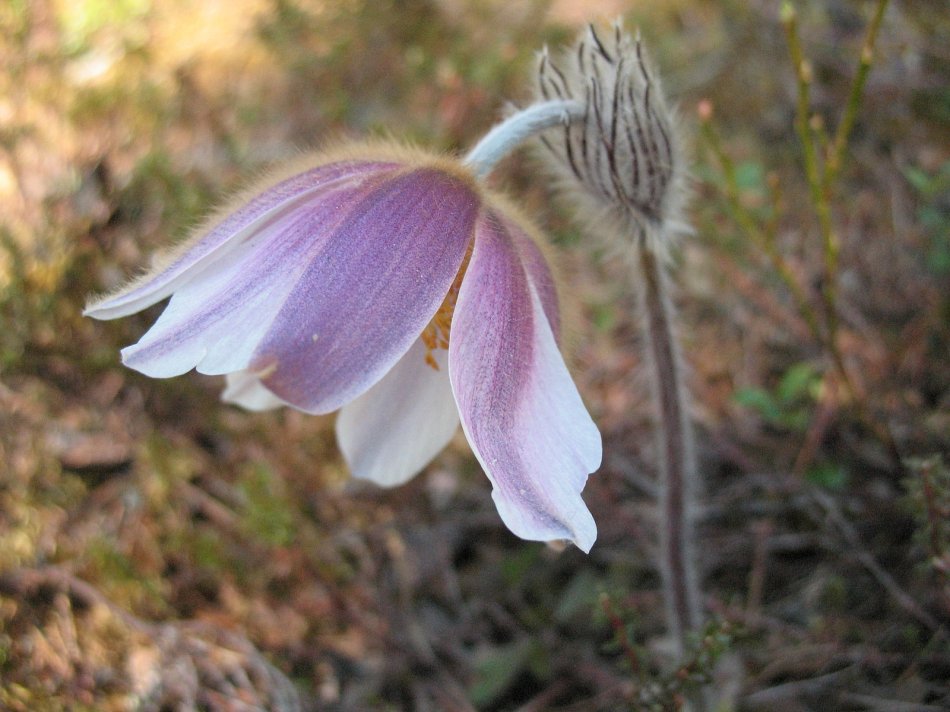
(159, 550)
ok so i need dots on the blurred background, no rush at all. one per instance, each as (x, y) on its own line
(161, 551)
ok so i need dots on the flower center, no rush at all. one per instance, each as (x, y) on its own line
(436, 334)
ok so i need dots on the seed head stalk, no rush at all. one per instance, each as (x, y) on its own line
(677, 456)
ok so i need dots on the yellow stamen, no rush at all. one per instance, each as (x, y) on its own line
(436, 334)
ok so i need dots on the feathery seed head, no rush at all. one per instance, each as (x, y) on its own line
(625, 156)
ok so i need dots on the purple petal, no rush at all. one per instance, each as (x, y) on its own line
(217, 319)
(324, 300)
(225, 234)
(519, 408)
(392, 431)
(539, 274)
(363, 301)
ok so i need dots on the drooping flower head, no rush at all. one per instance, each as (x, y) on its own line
(622, 160)
(389, 283)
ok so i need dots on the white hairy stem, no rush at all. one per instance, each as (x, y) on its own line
(517, 128)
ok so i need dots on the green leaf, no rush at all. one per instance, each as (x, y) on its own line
(267, 514)
(797, 383)
(603, 317)
(828, 475)
(497, 670)
(578, 596)
(760, 401)
(515, 566)
(796, 420)
(750, 176)
(918, 178)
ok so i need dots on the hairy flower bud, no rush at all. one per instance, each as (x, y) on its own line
(624, 156)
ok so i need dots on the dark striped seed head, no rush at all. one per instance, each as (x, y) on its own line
(625, 155)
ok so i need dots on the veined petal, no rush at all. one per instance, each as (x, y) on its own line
(392, 431)
(217, 319)
(539, 274)
(519, 407)
(224, 234)
(362, 302)
(244, 389)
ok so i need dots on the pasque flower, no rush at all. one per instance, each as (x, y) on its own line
(389, 283)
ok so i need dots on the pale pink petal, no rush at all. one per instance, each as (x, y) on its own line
(364, 300)
(519, 407)
(183, 263)
(539, 274)
(392, 431)
(245, 389)
(217, 319)
(324, 300)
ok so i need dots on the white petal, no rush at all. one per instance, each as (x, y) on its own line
(217, 319)
(392, 431)
(244, 389)
(323, 302)
(222, 234)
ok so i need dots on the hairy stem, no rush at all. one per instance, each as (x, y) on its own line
(505, 136)
(678, 471)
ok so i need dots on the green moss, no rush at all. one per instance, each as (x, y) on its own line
(267, 513)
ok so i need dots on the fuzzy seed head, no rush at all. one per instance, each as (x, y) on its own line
(625, 156)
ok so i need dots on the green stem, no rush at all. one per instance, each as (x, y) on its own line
(821, 180)
(840, 143)
(814, 174)
(764, 239)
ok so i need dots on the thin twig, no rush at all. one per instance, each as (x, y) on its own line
(764, 239)
(887, 582)
(773, 697)
(840, 143)
(762, 531)
(821, 179)
(26, 580)
(877, 704)
(620, 633)
(822, 420)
